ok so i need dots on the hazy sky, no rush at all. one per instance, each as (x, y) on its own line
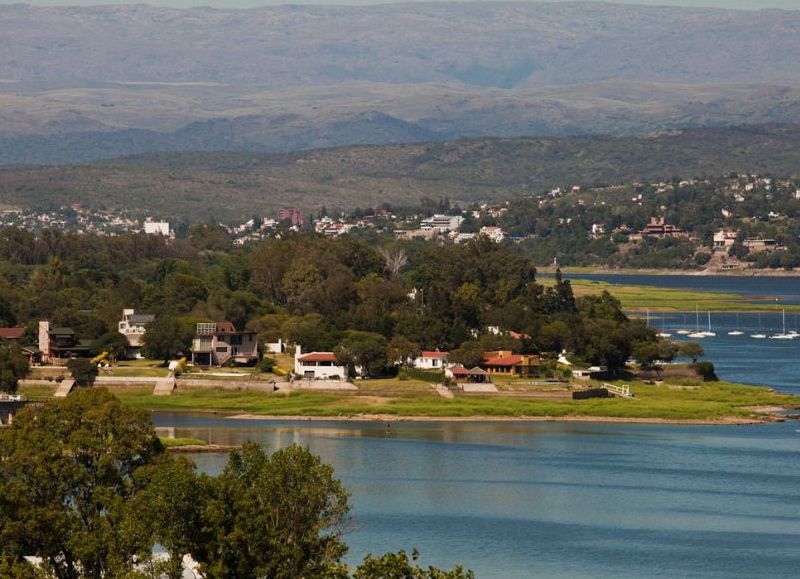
(739, 4)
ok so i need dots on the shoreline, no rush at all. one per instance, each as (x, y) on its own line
(566, 270)
(767, 417)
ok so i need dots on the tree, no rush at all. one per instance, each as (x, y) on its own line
(398, 566)
(163, 339)
(469, 354)
(169, 505)
(363, 349)
(646, 353)
(82, 370)
(14, 367)
(401, 350)
(280, 516)
(182, 292)
(66, 477)
(691, 350)
(112, 342)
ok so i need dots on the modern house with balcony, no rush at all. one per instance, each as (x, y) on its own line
(133, 326)
(217, 344)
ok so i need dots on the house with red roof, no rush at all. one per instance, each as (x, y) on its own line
(14, 335)
(506, 362)
(318, 365)
(430, 360)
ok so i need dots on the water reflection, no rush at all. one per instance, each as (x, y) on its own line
(516, 499)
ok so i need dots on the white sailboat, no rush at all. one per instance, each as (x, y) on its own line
(697, 334)
(664, 333)
(759, 335)
(736, 332)
(708, 332)
(683, 331)
(783, 335)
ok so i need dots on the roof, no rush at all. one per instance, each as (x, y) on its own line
(477, 372)
(62, 332)
(504, 361)
(458, 371)
(141, 318)
(11, 333)
(436, 354)
(318, 357)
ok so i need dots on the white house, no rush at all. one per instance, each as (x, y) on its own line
(274, 347)
(430, 360)
(133, 326)
(441, 223)
(157, 228)
(318, 365)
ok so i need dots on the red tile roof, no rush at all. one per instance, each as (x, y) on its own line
(11, 333)
(504, 361)
(458, 371)
(318, 357)
(433, 354)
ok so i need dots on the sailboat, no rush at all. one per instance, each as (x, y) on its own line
(697, 333)
(708, 332)
(664, 333)
(683, 332)
(783, 335)
(759, 335)
(794, 332)
(736, 332)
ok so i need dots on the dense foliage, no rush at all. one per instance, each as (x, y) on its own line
(343, 295)
(86, 486)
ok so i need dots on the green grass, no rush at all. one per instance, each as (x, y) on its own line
(696, 401)
(173, 442)
(637, 297)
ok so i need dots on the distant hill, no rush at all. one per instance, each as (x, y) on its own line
(198, 186)
(57, 126)
(490, 44)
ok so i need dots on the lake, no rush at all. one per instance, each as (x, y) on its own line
(555, 499)
(512, 500)
(737, 358)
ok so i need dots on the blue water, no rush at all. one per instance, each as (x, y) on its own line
(512, 500)
(741, 358)
(549, 499)
(737, 358)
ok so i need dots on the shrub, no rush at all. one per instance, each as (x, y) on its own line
(706, 370)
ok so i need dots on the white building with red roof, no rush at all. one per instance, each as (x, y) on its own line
(318, 365)
(430, 360)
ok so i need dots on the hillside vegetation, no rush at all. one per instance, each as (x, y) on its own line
(70, 125)
(197, 186)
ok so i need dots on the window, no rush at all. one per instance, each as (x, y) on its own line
(222, 349)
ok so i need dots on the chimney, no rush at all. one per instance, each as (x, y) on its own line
(44, 338)
(297, 351)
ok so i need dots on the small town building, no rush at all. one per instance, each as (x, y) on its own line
(723, 239)
(294, 215)
(57, 344)
(506, 362)
(14, 335)
(133, 326)
(658, 228)
(428, 360)
(157, 228)
(441, 223)
(217, 344)
(318, 366)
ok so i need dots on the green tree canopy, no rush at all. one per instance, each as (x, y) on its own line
(13, 367)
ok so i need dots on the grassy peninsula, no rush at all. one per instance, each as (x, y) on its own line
(679, 401)
(640, 297)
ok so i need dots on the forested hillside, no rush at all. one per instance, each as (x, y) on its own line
(198, 186)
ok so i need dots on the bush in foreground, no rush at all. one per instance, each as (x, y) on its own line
(86, 485)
